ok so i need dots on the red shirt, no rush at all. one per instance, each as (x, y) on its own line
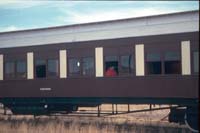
(110, 72)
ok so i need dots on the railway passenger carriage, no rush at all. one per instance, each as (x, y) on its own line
(155, 60)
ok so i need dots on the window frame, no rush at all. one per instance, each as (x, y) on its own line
(47, 72)
(68, 67)
(15, 77)
(80, 53)
(35, 72)
(147, 61)
(120, 50)
(192, 62)
(131, 71)
(4, 70)
(93, 59)
(104, 65)
(44, 55)
(164, 61)
(25, 69)
(80, 59)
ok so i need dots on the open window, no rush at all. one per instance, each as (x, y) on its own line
(153, 64)
(172, 63)
(111, 66)
(40, 68)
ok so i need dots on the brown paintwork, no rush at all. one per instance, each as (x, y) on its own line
(156, 86)
(148, 86)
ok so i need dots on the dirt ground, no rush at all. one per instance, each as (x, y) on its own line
(140, 122)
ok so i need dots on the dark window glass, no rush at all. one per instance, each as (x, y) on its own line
(111, 66)
(40, 68)
(153, 68)
(21, 69)
(172, 56)
(52, 68)
(88, 66)
(126, 64)
(9, 70)
(153, 57)
(111, 58)
(153, 64)
(196, 61)
(74, 67)
(172, 63)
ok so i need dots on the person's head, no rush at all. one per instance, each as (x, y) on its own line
(112, 68)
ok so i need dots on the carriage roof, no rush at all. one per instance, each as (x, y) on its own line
(180, 22)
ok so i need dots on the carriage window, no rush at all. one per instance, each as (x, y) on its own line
(111, 66)
(52, 68)
(172, 63)
(127, 65)
(9, 69)
(196, 62)
(40, 68)
(74, 67)
(153, 63)
(88, 66)
(21, 69)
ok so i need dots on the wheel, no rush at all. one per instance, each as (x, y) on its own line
(191, 119)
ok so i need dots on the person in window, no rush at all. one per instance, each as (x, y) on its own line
(110, 72)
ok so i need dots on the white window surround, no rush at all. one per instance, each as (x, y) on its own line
(185, 58)
(139, 59)
(1, 66)
(99, 61)
(63, 63)
(30, 65)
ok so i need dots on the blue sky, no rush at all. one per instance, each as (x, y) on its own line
(19, 15)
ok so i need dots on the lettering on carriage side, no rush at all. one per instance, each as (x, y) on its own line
(139, 59)
(1, 66)
(30, 65)
(63, 63)
(45, 89)
(185, 58)
(99, 61)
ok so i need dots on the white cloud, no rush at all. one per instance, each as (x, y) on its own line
(73, 12)
(21, 4)
(16, 28)
(77, 17)
(17, 4)
(9, 28)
